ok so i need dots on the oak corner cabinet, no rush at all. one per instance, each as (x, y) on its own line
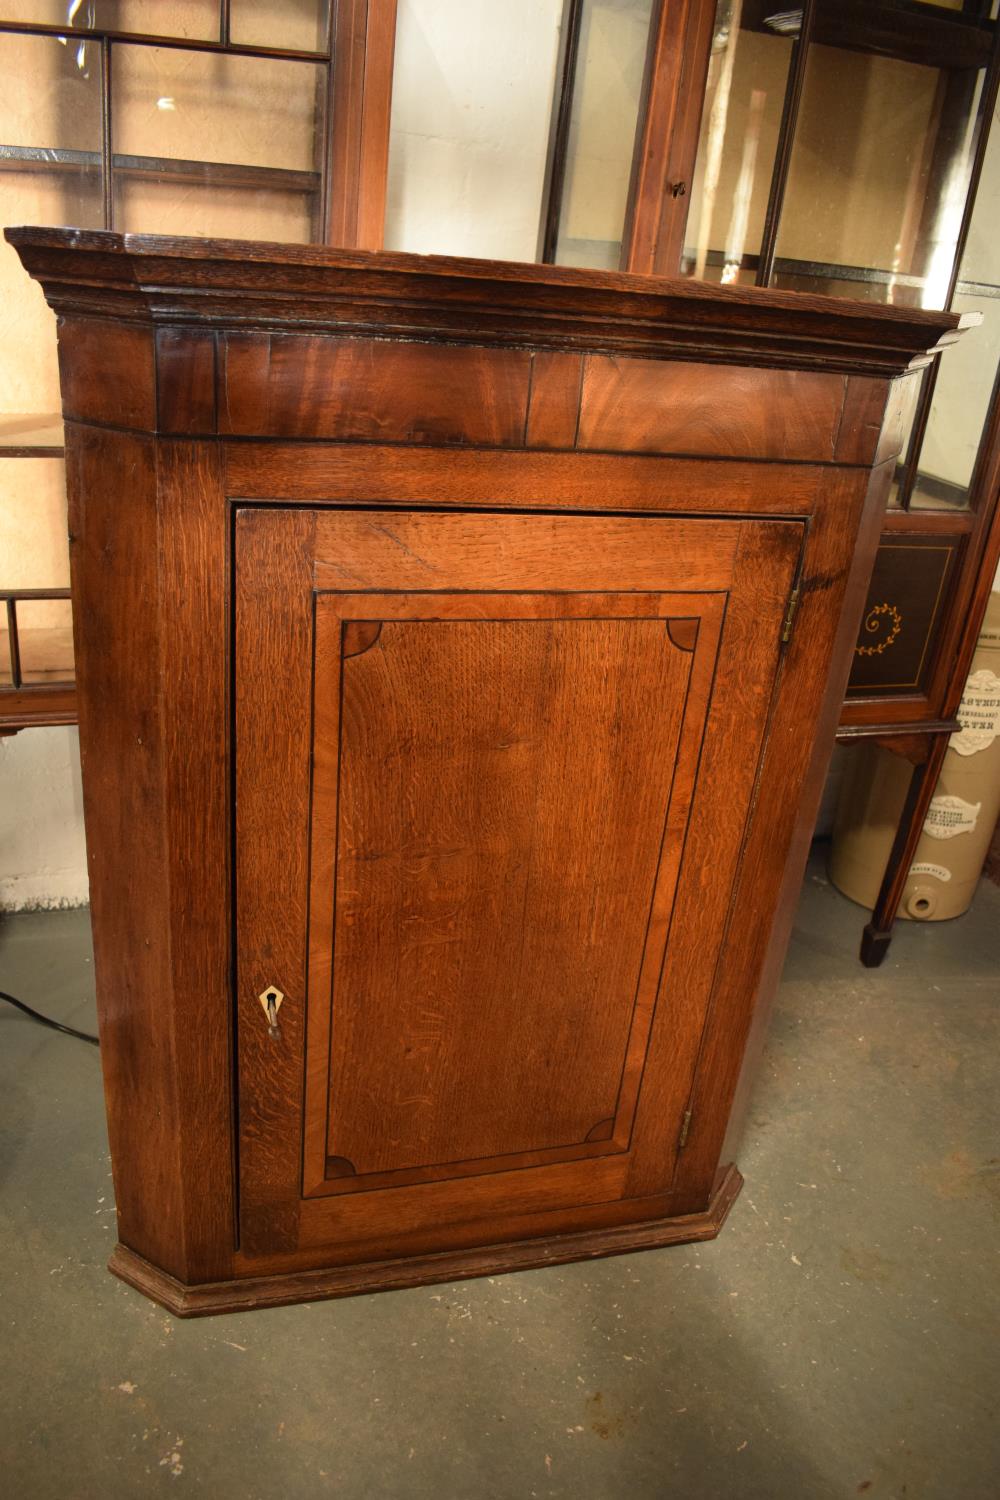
(460, 648)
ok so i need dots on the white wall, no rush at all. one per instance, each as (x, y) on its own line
(43, 861)
(472, 97)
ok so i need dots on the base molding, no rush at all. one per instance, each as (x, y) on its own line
(241, 1294)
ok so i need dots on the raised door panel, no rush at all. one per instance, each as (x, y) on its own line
(479, 788)
(501, 871)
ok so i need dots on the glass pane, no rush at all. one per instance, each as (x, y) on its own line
(965, 380)
(471, 103)
(799, 276)
(611, 61)
(203, 106)
(958, 411)
(747, 76)
(45, 641)
(915, 389)
(184, 18)
(34, 550)
(50, 137)
(206, 211)
(882, 153)
(51, 95)
(212, 145)
(293, 24)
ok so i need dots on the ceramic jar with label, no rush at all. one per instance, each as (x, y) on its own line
(962, 815)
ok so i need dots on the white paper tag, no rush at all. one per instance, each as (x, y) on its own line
(938, 871)
(979, 714)
(950, 816)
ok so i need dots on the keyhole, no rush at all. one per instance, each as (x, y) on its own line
(270, 1000)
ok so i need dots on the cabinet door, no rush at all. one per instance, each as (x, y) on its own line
(493, 776)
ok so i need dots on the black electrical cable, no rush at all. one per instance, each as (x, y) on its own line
(36, 1015)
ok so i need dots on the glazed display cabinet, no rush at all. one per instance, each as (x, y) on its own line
(257, 118)
(849, 150)
(459, 647)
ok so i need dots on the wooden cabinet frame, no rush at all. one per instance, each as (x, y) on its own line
(400, 424)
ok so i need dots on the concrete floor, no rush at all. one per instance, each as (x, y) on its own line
(840, 1338)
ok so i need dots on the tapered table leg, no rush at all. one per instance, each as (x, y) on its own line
(878, 932)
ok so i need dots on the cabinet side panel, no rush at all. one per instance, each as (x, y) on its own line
(155, 823)
(113, 552)
(838, 560)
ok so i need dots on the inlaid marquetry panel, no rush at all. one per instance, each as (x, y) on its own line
(895, 649)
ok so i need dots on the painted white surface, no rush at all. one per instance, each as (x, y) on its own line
(472, 97)
(43, 861)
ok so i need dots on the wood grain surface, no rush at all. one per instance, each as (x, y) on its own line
(227, 283)
(285, 385)
(498, 777)
(646, 407)
(438, 668)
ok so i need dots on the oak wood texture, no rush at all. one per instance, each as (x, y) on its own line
(293, 386)
(150, 662)
(248, 1293)
(492, 748)
(475, 478)
(417, 926)
(541, 716)
(125, 395)
(554, 401)
(832, 594)
(642, 406)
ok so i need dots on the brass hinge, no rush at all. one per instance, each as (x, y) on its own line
(685, 1129)
(793, 604)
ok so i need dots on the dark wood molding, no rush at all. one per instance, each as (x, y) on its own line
(229, 283)
(36, 708)
(851, 734)
(243, 1294)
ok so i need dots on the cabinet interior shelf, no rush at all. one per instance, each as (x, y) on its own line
(159, 169)
(931, 35)
(31, 435)
(822, 270)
